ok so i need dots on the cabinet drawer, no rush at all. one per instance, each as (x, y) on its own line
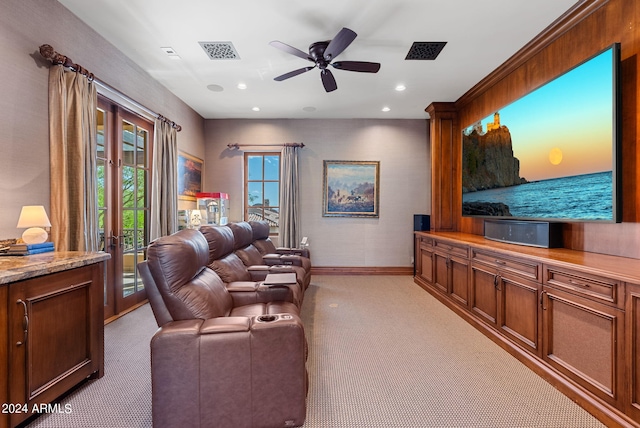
(528, 269)
(426, 243)
(601, 288)
(452, 249)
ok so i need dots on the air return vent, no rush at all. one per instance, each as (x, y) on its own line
(425, 50)
(220, 50)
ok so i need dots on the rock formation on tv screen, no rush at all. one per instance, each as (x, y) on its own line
(488, 161)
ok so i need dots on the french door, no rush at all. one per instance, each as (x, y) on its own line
(123, 162)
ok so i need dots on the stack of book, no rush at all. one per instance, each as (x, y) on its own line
(28, 249)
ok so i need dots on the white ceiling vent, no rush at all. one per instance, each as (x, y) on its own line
(220, 50)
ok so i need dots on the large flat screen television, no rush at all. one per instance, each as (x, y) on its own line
(552, 155)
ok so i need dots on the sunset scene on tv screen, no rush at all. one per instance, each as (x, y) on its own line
(550, 154)
(564, 128)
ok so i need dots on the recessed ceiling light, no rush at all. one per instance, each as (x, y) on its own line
(242, 86)
(256, 109)
(309, 109)
(215, 88)
(386, 109)
(400, 88)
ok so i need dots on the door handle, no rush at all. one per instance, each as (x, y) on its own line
(25, 322)
(116, 240)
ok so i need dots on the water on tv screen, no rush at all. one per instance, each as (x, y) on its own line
(550, 155)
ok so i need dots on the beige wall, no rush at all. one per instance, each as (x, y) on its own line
(402, 148)
(24, 136)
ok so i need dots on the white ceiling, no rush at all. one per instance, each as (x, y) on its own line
(480, 36)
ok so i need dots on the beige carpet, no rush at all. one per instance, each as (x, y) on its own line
(382, 353)
(385, 353)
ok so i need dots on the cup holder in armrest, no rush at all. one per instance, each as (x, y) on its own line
(271, 318)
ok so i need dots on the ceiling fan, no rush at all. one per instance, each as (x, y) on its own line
(322, 54)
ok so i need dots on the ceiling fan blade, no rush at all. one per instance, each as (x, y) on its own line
(360, 66)
(290, 49)
(328, 80)
(293, 73)
(339, 43)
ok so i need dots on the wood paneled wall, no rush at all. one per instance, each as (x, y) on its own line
(587, 28)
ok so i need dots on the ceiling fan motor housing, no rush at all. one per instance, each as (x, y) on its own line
(316, 51)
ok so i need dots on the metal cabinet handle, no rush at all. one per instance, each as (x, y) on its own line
(579, 284)
(25, 322)
(542, 300)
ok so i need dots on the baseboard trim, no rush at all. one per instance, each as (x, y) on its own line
(125, 312)
(607, 414)
(362, 270)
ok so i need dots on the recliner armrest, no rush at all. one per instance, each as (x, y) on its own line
(304, 252)
(246, 293)
(258, 272)
(225, 325)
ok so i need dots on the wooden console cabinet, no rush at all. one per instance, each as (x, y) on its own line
(51, 329)
(572, 317)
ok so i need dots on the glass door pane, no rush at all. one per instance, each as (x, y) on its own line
(135, 141)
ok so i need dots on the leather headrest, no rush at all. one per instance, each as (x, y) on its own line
(176, 259)
(219, 240)
(260, 229)
(242, 234)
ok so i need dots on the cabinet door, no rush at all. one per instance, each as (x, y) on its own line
(632, 341)
(56, 339)
(584, 340)
(484, 293)
(4, 354)
(426, 265)
(519, 311)
(459, 278)
(441, 272)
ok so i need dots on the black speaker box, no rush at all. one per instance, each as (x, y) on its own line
(533, 233)
(421, 222)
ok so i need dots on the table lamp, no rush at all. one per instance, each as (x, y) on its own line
(35, 218)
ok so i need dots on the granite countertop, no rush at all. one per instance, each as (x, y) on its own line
(17, 268)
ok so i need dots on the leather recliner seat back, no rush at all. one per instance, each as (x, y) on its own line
(189, 289)
(242, 234)
(260, 235)
(243, 243)
(222, 259)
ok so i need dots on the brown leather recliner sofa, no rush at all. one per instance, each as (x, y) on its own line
(220, 360)
(265, 245)
(230, 266)
(244, 247)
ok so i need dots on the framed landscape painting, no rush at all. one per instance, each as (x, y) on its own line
(351, 189)
(189, 176)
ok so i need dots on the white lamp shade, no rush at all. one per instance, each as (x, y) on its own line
(33, 216)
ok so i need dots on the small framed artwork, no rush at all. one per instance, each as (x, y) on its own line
(351, 189)
(189, 176)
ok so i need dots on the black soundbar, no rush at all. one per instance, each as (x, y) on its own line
(533, 233)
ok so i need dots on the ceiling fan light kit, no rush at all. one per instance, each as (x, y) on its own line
(322, 54)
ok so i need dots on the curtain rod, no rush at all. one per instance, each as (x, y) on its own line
(50, 54)
(237, 146)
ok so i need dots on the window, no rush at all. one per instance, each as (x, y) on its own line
(262, 188)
